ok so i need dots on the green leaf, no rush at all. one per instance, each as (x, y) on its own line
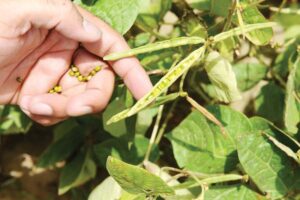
(199, 4)
(120, 14)
(267, 166)
(109, 189)
(249, 74)
(151, 15)
(222, 76)
(129, 196)
(164, 175)
(270, 103)
(80, 170)
(133, 154)
(292, 104)
(220, 8)
(122, 128)
(192, 25)
(296, 81)
(64, 128)
(144, 120)
(136, 180)
(215, 7)
(283, 59)
(238, 192)
(269, 128)
(199, 145)
(251, 15)
(62, 148)
(13, 120)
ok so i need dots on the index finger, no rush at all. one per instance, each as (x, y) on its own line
(129, 69)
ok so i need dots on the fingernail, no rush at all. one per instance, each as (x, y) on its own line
(83, 110)
(41, 109)
(93, 31)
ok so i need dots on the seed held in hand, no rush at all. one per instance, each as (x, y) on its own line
(57, 89)
(92, 73)
(52, 91)
(80, 78)
(89, 77)
(77, 74)
(97, 68)
(71, 73)
(74, 68)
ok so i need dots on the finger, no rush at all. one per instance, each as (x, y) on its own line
(47, 105)
(46, 121)
(87, 62)
(60, 15)
(98, 89)
(47, 72)
(129, 69)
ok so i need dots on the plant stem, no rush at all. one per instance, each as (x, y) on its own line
(220, 179)
(182, 82)
(165, 123)
(229, 16)
(154, 132)
(206, 113)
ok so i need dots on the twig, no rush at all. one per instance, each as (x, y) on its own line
(165, 123)
(154, 133)
(229, 16)
(207, 114)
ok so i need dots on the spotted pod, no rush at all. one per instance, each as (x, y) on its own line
(164, 83)
(156, 46)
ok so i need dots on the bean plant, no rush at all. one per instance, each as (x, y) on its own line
(221, 122)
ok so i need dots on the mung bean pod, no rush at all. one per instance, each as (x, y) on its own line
(164, 83)
(156, 46)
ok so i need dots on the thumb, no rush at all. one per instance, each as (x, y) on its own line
(61, 15)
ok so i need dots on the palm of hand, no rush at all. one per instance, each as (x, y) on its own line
(43, 61)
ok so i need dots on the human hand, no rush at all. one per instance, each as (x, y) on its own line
(39, 39)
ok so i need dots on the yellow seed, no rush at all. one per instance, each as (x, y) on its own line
(58, 88)
(97, 68)
(85, 79)
(52, 91)
(92, 73)
(74, 69)
(71, 73)
(77, 74)
(80, 78)
(89, 77)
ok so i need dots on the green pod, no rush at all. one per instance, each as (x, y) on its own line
(164, 83)
(175, 42)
